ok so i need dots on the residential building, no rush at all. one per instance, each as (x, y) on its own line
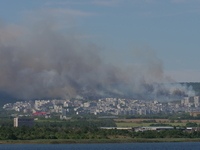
(18, 122)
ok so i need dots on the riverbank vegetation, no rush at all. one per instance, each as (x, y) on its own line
(27, 133)
(115, 140)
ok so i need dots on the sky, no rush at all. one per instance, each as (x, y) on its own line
(166, 29)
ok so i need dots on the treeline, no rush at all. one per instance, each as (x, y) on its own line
(26, 133)
(6, 121)
(188, 124)
(80, 122)
(176, 116)
(160, 125)
(166, 134)
(155, 116)
(77, 123)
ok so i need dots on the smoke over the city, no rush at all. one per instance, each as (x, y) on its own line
(43, 63)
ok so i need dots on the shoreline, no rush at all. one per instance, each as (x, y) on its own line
(96, 141)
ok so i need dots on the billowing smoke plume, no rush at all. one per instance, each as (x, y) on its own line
(43, 63)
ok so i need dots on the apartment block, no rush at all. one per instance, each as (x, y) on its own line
(18, 122)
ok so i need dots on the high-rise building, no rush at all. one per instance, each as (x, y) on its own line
(196, 99)
(18, 122)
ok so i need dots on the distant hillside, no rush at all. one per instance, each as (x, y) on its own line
(6, 98)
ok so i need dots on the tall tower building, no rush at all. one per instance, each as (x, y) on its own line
(18, 122)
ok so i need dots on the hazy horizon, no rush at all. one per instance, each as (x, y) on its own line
(74, 48)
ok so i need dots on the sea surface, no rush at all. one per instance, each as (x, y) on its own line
(121, 146)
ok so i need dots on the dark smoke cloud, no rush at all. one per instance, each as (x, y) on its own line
(43, 63)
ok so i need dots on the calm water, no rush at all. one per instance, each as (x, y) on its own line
(126, 146)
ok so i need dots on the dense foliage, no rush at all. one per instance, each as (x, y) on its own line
(175, 116)
(26, 133)
(167, 134)
(6, 121)
(79, 122)
(161, 124)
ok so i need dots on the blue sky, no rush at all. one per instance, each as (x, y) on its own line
(168, 28)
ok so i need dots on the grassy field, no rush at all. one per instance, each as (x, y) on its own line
(137, 124)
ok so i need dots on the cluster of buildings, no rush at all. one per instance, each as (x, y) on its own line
(113, 106)
(191, 101)
(137, 129)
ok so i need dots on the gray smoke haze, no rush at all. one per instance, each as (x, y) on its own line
(43, 63)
